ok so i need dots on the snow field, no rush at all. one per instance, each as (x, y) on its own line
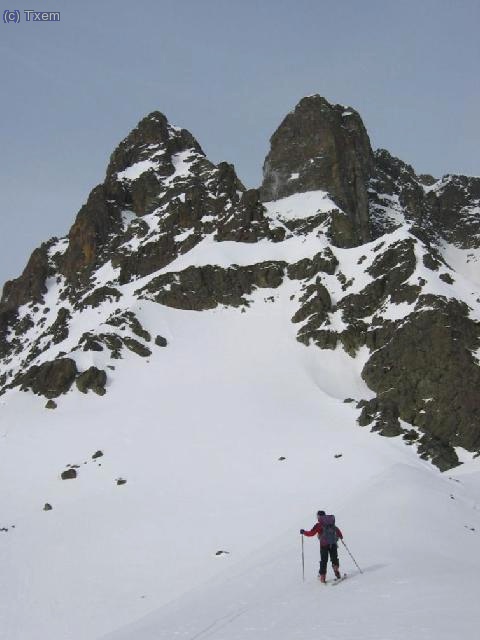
(198, 433)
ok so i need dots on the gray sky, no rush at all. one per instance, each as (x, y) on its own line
(229, 72)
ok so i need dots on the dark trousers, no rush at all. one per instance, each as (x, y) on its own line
(325, 551)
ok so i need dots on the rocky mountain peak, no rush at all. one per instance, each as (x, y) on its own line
(153, 136)
(154, 166)
(170, 230)
(322, 146)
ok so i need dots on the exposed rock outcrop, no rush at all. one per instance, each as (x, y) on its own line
(201, 288)
(320, 146)
(445, 209)
(426, 370)
(29, 287)
(49, 379)
(94, 379)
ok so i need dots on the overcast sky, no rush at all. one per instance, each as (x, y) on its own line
(229, 72)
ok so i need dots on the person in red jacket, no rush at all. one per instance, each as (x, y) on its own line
(328, 534)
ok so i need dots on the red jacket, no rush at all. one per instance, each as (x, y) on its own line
(317, 529)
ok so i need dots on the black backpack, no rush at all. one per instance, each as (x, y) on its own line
(329, 530)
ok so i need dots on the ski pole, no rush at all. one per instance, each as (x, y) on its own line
(303, 562)
(343, 542)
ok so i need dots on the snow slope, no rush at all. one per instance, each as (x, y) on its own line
(415, 584)
(197, 434)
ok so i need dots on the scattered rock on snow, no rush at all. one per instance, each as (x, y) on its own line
(446, 277)
(94, 379)
(69, 474)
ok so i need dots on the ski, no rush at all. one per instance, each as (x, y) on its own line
(334, 581)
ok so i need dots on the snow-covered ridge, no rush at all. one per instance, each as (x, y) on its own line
(353, 263)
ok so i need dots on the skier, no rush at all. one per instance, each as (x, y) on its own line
(328, 534)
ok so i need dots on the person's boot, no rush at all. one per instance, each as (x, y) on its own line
(337, 571)
(322, 577)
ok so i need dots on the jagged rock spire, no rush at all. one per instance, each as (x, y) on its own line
(320, 146)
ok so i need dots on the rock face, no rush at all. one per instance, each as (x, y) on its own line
(367, 255)
(325, 147)
(29, 287)
(430, 377)
(202, 288)
(445, 209)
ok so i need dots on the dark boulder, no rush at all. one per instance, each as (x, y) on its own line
(137, 347)
(94, 379)
(69, 474)
(49, 379)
